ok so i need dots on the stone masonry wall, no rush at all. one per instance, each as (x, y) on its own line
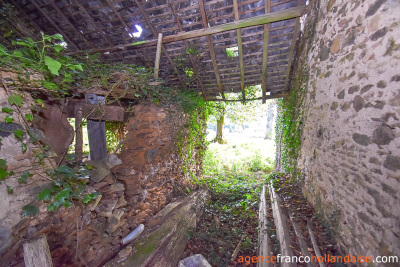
(350, 151)
(89, 235)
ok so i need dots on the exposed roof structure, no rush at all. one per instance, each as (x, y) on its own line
(260, 36)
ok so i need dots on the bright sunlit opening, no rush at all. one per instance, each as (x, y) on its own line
(138, 33)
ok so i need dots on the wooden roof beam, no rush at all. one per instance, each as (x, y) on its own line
(252, 99)
(118, 15)
(53, 24)
(240, 49)
(265, 52)
(81, 7)
(211, 47)
(254, 21)
(155, 33)
(195, 70)
(295, 32)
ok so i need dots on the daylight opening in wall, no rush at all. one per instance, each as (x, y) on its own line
(232, 51)
(138, 33)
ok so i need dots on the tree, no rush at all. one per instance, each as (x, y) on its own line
(237, 112)
(270, 119)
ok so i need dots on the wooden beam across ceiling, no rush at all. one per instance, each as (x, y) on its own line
(211, 48)
(265, 52)
(254, 21)
(240, 49)
(252, 99)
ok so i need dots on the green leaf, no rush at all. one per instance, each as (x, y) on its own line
(79, 67)
(18, 134)
(58, 48)
(3, 174)
(9, 119)
(10, 190)
(3, 164)
(64, 169)
(45, 195)
(15, 99)
(52, 64)
(24, 147)
(87, 198)
(52, 207)
(30, 210)
(29, 117)
(7, 110)
(50, 85)
(58, 37)
(39, 101)
(24, 177)
(41, 156)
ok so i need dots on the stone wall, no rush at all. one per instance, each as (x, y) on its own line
(350, 145)
(149, 177)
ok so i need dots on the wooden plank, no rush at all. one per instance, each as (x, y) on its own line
(314, 242)
(296, 31)
(264, 248)
(195, 70)
(282, 230)
(78, 134)
(254, 21)
(96, 131)
(265, 52)
(37, 253)
(211, 48)
(158, 56)
(240, 49)
(44, 14)
(149, 24)
(252, 99)
(96, 112)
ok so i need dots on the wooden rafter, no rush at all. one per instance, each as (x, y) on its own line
(83, 9)
(240, 50)
(155, 33)
(265, 52)
(195, 70)
(211, 48)
(59, 11)
(21, 11)
(254, 21)
(295, 32)
(53, 24)
(117, 13)
(252, 99)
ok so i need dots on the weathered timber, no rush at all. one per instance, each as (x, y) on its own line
(314, 243)
(300, 238)
(240, 50)
(158, 56)
(265, 52)
(37, 253)
(78, 133)
(264, 248)
(254, 21)
(96, 112)
(96, 131)
(253, 99)
(282, 230)
(165, 237)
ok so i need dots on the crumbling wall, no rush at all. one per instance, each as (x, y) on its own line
(351, 132)
(149, 177)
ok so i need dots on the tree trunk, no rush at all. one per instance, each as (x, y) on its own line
(270, 119)
(220, 127)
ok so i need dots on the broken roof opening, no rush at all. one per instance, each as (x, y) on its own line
(232, 51)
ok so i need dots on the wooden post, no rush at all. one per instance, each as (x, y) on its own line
(158, 57)
(78, 134)
(37, 253)
(96, 131)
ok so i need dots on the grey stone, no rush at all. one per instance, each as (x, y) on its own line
(324, 53)
(378, 34)
(358, 103)
(196, 260)
(151, 154)
(341, 94)
(395, 101)
(374, 193)
(361, 139)
(389, 189)
(99, 170)
(382, 135)
(353, 89)
(395, 78)
(374, 7)
(7, 129)
(381, 84)
(350, 38)
(345, 106)
(366, 88)
(113, 160)
(392, 163)
(334, 105)
(378, 104)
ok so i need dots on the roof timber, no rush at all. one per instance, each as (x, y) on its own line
(265, 52)
(259, 20)
(240, 50)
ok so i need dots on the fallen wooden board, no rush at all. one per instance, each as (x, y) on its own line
(37, 253)
(163, 242)
(263, 237)
(282, 230)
